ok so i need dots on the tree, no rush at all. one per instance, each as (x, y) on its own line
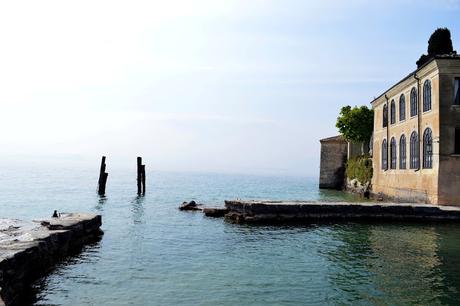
(356, 124)
(440, 42)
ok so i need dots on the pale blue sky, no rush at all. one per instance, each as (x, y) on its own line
(221, 86)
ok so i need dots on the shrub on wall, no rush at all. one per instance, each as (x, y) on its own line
(360, 168)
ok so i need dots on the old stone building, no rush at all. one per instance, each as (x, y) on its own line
(416, 140)
(334, 152)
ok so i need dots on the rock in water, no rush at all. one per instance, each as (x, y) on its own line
(189, 206)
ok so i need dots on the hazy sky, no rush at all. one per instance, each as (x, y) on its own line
(224, 86)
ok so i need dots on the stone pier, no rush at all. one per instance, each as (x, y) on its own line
(304, 211)
(28, 249)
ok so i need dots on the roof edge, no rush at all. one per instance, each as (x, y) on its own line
(338, 138)
(436, 57)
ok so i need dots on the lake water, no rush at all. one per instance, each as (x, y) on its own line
(153, 254)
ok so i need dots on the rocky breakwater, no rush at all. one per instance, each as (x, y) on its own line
(28, 249)
(215, 212)
(303, 211)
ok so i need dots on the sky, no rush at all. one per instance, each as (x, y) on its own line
(207, 85)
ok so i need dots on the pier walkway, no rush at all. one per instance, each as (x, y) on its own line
(28, 249)
(284, 211)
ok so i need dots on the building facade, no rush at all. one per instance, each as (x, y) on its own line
(416, 140)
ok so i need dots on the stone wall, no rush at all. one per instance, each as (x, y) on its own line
(303, 211)
(332, 164)
(29, 249)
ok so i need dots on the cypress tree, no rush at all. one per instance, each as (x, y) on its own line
(440, 42)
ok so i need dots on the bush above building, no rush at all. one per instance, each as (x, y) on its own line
(356, 124)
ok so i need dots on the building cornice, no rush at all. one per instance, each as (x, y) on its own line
(421, 72)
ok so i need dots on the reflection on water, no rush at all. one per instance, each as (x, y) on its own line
(100, 203)
(389, 264)
(88, 255)
(137, 209)
(153, 254)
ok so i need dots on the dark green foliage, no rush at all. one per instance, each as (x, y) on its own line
(440, 42)
(356, 124)
(423, 59)
(360, 168)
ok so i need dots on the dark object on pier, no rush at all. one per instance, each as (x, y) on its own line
(55, 214)
(367, 194)
(140, 176)
(190, 206)
(102, 178)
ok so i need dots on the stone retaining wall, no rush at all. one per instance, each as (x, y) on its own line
(286, 211)
(29, 249)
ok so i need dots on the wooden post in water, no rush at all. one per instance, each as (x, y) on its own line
(102, 178)
(140, 176)
(143, 179)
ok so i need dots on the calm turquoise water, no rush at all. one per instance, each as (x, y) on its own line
(152, 254)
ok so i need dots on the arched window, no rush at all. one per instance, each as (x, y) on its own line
(393, 112)
(414, 151)
(384, 155)
(402, 108)
(385, 115)
(402, 152)
(427, 96)
(427, 149)
(393, 153)
(413, 102)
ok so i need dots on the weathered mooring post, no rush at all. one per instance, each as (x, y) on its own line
(143, 179)
(102, 178)
(140, 176)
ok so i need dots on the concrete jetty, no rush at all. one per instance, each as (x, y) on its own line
(301, 211)
(28, 249)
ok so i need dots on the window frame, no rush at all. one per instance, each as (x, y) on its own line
(402, 152)
(413, 102)
(392, 112)
(402, 107)
(457, 140)
(385, 116)
(384, 157)
(414, 151)
(427, 144)
(393, 153)
(457, 91)
(427, 101)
